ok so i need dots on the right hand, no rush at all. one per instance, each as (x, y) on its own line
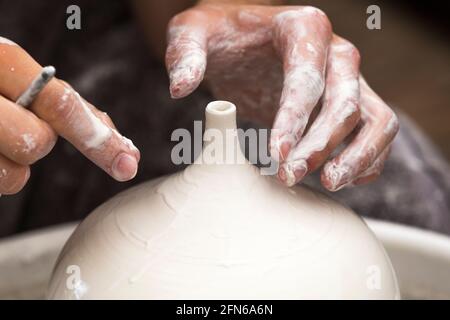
(27, 135)
(283, 65)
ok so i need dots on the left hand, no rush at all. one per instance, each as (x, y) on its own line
(264, 56)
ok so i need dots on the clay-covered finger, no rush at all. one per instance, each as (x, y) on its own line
(73, 118)
(379, 126)
(13, 176)
(89, 130)
(186, 52)
(302, 37)
(374, 171)
(337, 118)
(24, 138)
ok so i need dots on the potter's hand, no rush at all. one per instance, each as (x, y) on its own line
(28, 135)
(264, 56)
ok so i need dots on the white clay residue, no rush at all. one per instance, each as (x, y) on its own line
(342, 173)
(248, 17)
(3, 173)
(101, 131)
(98, 132)
(342, 47)
(193, 62)
(125, 140)
(312, 10)
(29, 142)
(310, 47)
(7, 41)
(392, 125)
(305, 81)
(303, 86)
(289, 19)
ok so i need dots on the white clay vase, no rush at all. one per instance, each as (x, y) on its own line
(221, 230)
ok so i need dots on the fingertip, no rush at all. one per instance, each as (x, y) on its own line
(179, 89)
(15, 181)
(335, 177)
(184, 80)
(124, 167)
(295, 171)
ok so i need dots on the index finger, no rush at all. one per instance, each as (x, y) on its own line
(73, 118)
(302, 37)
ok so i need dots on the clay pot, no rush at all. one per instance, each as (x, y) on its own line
(221, 230)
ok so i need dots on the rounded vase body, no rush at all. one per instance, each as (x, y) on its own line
(221, 230)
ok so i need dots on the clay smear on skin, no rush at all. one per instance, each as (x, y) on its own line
(3, 173)
(98, 131)
(29, 142)
(344, 95)
(7, 42)
(249, 18)
(193, 63)
(341, 173)
(302, 83)
(318, 137)
(310, 47)
(232, 40)
(338, 173)
(391, 126)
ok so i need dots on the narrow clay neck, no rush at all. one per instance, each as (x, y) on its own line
(221, 142)
(220, 115)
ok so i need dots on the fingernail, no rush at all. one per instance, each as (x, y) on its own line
(182, 81)
(124, 167)
(295, 171)
(174, 89)
(337, 176)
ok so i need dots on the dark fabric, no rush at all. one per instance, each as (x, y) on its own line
(108, 63)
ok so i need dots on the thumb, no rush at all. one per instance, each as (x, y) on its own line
(186, 53)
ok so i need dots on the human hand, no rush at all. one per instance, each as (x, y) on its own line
(283, 64)
(27, 135)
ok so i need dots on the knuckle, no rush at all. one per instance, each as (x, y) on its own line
(341, 45)
(183, 18)
(177, 19)
(350, 50)
(312, 15)
(393, 123)
(313, 11)
(354, 53)
(63, 106)
(351, 112)
(319, 16)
